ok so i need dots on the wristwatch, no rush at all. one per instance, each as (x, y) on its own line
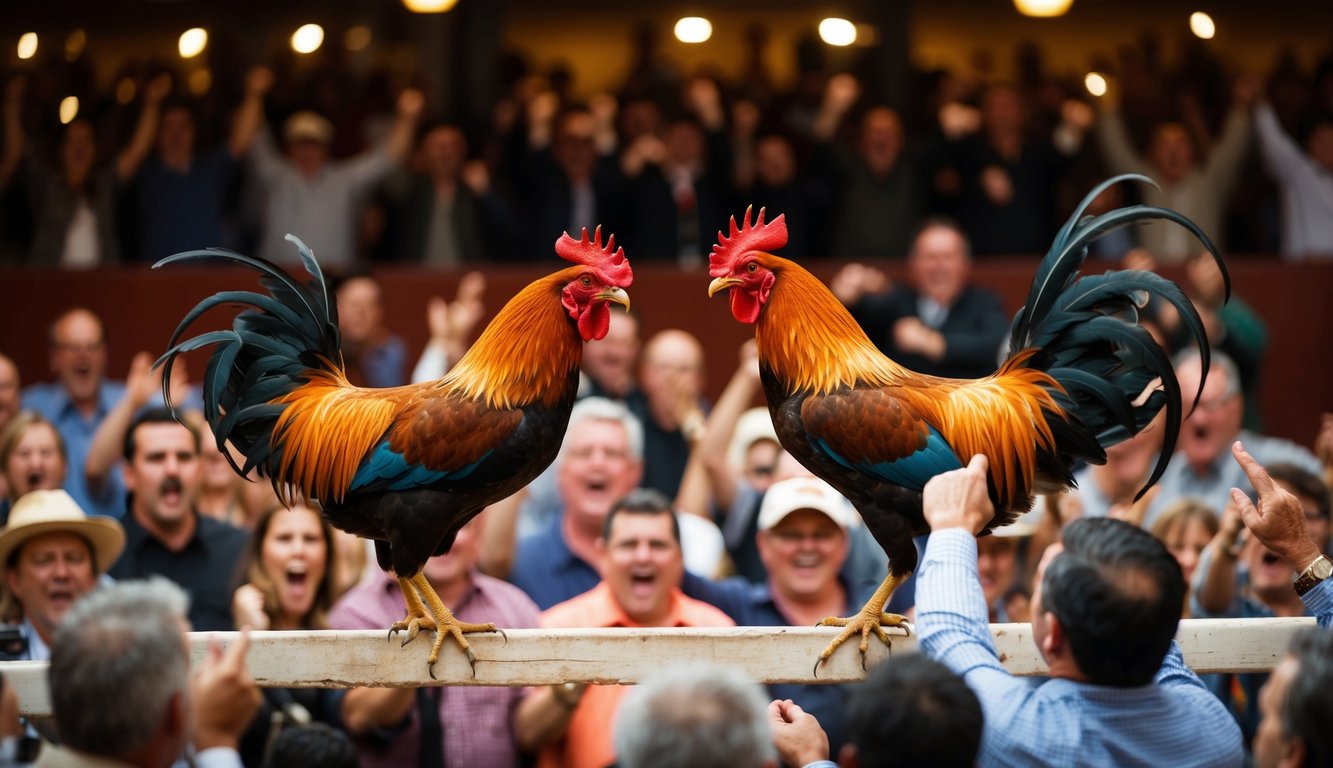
(1314, 573)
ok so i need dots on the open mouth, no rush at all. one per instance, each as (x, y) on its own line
(642, 584)
(35, 479)
(297, 575)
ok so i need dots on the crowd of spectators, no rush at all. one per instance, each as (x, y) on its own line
(365, 175)
(664, 509)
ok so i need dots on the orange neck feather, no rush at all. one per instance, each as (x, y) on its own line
(526, 353)
(808, 338)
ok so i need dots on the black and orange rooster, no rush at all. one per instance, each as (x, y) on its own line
(1081, 376)
(406, 466)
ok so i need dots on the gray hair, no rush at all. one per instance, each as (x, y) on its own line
(1217, 360)
(694, 716)
(117, 659)
(602, 409)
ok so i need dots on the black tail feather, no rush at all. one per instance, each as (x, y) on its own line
(1090, 342)
(267, 353)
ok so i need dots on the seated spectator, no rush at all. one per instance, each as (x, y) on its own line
(1266, 589)
(1105, 612)
(10, 386)
(289, 582)
(1000, 558)
(1113, 486)
(451, 725)
(164, 534)
(78, 401)
(53, 555)
(609, 363)
(121, 691)
(669, 406)
(642, 565)
(1186, 527)
(315, 744)
(938, 323)
(372, 354)
(1295, 706)
(1202, 467)
(600, 461)
(911, 711)
(702, 715)
(32, 457)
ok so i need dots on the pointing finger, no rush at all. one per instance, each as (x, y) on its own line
(1253, 469)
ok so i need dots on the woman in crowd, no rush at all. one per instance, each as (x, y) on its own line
(1186, 527)
(289, 585)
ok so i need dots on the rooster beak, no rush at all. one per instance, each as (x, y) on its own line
(722, 284)
(617, 295)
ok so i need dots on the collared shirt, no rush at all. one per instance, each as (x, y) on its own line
(1054, 721)
(206, 568)
(37, 648)
(587, 741)
(1180, 480)
(51, 400)
(549, 572)
(828, 703)
(476, 721)
(1305, 187)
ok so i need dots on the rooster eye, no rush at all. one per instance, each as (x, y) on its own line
(752, 267)
(586, 281)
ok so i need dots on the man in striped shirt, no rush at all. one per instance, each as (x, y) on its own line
(1105, 611)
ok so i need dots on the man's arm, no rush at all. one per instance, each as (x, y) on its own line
(249, 120)
(1278, 521)
(145, 130)
(950, 607)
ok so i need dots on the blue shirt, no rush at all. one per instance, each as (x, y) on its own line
(1174, 721)
(181, 211)
(52, 401)
(756, 608)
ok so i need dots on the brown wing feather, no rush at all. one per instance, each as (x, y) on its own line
(864, 425)
(446, 433)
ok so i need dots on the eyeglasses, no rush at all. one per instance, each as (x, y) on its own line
(793, 537)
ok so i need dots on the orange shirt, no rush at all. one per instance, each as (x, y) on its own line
(587, 741)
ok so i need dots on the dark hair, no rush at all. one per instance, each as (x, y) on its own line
(155, 415)
(1308, 709)
(313, 744)
(253, 571)
(1117, 592)
(1303, 483)
(914, 711)
(642, 501)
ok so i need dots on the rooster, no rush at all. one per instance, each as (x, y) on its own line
(406, 466)
(1081, 375)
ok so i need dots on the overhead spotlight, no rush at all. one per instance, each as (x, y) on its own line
(839, 32)
(1095, 83)
(1201, 24)
(192, 42)
(27, 45)
(358, 38)
(429, 6)
(307, 38)
(693, 29)
(74, 44)
(1043, 9)
(69, 109)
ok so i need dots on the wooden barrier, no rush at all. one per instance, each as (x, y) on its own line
(339, 659)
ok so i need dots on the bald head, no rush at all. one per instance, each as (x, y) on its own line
(673, 368)
(78, 354)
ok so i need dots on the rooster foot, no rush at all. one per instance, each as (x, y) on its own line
(413, 626)
(863, 623)
(455, 628)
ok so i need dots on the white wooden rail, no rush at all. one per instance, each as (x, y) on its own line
(339, 659)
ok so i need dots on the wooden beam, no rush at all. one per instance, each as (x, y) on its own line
(340, 659)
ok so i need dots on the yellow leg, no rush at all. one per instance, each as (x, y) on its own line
(871, 618)
(416, 618)
(446, 621)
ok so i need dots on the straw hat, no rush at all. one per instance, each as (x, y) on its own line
(39, 512)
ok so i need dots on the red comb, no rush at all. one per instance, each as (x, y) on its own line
(758, 236)
(609, 262)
